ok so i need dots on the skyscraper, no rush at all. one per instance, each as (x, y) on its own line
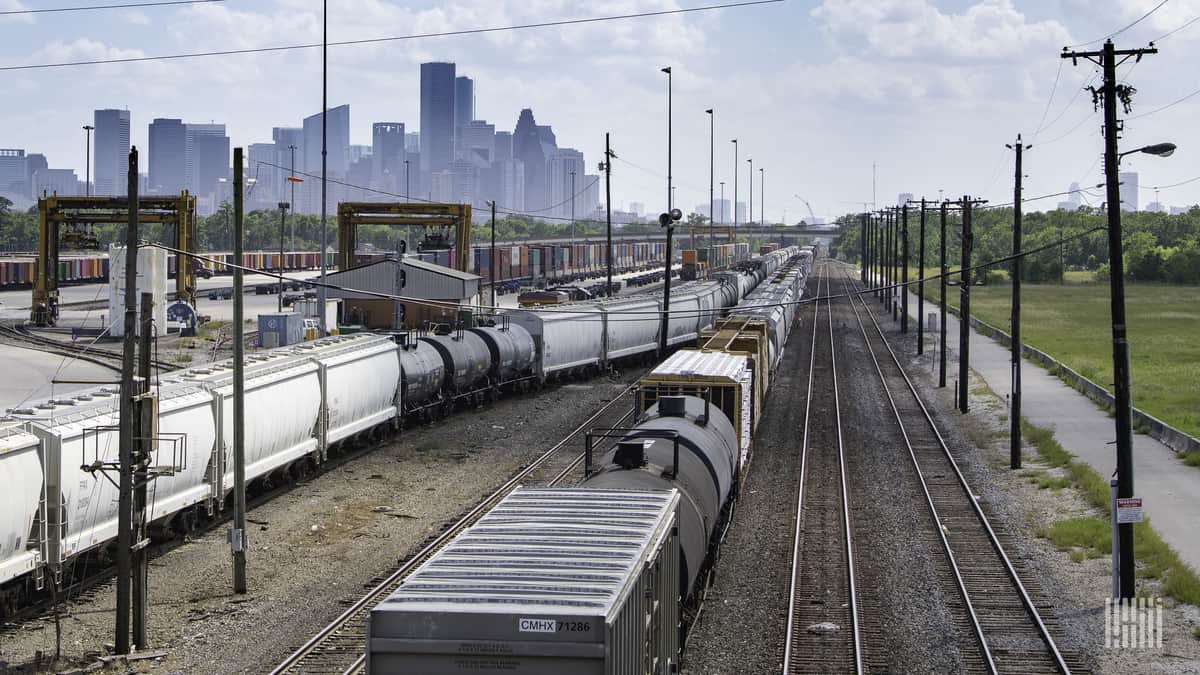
(563, 162)
(1129, 190)
(437, 116)
(206, 157)
(111, 154)
(168, 156)
(464, 102)
(412, 141)
(477, 141)
(533, 144)
(337, 142)
(387, 156)
(12, 171)
(504, 146)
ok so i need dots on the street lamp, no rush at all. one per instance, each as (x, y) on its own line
(762, 196)
(722, 202)
(735, 177)
(670, 194)
(87, 182)
(293, 180)
(712, 141)
(1158, 149)
(750, 213)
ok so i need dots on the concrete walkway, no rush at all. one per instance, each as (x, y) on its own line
(1170, 489)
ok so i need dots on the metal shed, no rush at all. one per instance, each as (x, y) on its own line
(551, 580)
(422, 280)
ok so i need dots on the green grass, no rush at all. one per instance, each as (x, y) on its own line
(1189, 458)
(1090, 537)
(1071, 323)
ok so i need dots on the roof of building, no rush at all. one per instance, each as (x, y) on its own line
(422, 280)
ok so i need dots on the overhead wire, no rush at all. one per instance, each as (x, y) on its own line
(395, 38)
(1122, 30)
(88, 8)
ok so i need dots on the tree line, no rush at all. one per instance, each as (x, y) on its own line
(1158, 246)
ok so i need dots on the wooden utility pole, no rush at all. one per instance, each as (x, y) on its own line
(1014, 413)
(1111, 92)
(862, 244)
(921, 285)
(964, 319)
(904, 268)
(128, 423)
(945, 274)
(237, 535)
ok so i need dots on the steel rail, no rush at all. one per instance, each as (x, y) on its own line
(794, 589)
(294, 663)
(1011, 572)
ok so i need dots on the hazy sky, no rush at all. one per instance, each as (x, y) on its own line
(816, 92)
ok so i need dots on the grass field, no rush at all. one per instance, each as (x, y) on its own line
(1072, 324)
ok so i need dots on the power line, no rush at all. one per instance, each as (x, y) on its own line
(1131, 25)
(88, 8)
(1172, 185)
(1169, 105)
(1167, 35)
(398, 38)
(1053, 90)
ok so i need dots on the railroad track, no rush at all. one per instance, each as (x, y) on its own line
(1009, 633)
(823, 630)
(339, 647)
(15, 333)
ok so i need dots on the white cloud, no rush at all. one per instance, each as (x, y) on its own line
(14, 6)
(137, 18)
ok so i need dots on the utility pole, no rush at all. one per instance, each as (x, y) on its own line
(964, 319)
(670, 192)
(1014, 413)
(492, 264)
(128, 417)
(862, 244)
(887, 258)
(904, 269)
(943, 278)
(237, 535)
(143, 446)
(573, 262)
(762, 196)
(1110, 92)
(894, 257)
(321, 292)
(877, 255)
(921, 285)
(608, 254)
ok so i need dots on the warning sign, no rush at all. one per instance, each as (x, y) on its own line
(1129, 510)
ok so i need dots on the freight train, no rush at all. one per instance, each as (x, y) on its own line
(597, 578)
(301, 404)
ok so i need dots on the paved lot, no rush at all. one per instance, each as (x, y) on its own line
(28, 374)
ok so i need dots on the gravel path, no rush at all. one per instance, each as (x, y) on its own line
(317, 547)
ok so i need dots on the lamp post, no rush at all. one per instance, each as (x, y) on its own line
(87, 162)
(670, 193)
(283, 207)
(735, 177)
(762, 196)
(321, 292)
(712, 141)
(750, 212)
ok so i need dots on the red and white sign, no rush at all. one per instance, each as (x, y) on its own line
(1129, 510)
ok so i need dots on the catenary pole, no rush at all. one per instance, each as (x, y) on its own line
(862, 245)
(143, 444)
(128, 413)
(321, 292)
(712, 168)
(237, 535)
(608, 255)
(904, 268)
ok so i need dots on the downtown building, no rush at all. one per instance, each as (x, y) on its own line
(110, 156)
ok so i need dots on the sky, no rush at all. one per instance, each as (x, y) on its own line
(840, 102)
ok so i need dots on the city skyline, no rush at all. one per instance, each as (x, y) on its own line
(838, 60)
